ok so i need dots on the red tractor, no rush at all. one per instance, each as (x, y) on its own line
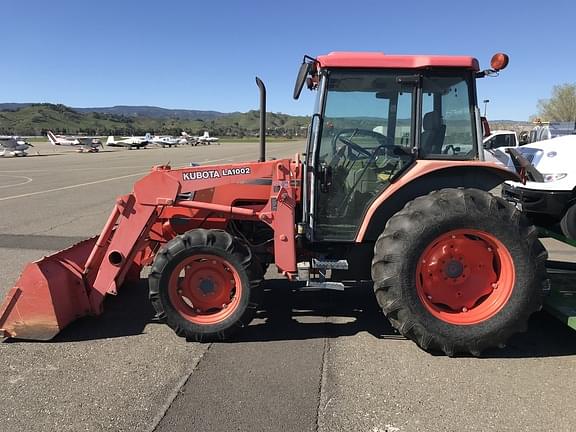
(392, 188)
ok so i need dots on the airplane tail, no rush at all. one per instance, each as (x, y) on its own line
(110, 140)
(206, 135)
(148, 137)
(52, 138)
(184, 134)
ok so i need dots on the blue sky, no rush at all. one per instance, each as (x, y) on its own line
(205, 54)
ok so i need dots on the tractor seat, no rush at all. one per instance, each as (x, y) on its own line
(362, 179)
(432, 138)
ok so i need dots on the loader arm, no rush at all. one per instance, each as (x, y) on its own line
(72, 283)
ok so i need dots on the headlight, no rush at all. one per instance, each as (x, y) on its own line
(553, 177)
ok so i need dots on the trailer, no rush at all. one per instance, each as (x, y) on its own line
(561, 300)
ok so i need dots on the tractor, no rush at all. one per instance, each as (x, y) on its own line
(392, 188)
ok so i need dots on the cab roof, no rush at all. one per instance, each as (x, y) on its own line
(381, 60)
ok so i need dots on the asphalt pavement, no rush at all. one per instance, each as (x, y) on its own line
(311, 361)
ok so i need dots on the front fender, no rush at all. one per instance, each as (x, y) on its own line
(424, 177)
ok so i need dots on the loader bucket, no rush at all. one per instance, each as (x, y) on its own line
(50, 293)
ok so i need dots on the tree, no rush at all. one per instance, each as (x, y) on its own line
(561, 106)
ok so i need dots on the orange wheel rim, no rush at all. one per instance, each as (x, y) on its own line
(205, 289)
(465, 277)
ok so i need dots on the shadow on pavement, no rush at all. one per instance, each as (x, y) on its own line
(546, 337)
(38, 241)
(287, 313)
(126, 314)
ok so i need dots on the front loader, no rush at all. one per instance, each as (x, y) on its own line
(392, 188)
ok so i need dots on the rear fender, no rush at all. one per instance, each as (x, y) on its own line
(423, 178)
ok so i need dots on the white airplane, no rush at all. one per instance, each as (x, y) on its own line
(168, 141)
(207, 139)
(195, 140)
(84, 143)
(13, 146)
(136, 142)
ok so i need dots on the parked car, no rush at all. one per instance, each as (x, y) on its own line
(552, 198)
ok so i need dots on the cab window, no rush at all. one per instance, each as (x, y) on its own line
(447, 118)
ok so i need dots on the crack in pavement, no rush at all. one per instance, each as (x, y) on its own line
(176, 391)
(322, 403)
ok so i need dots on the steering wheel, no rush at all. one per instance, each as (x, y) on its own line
(352, 146)
(383, 144)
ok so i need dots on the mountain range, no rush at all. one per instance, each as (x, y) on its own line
(134, 111)
(37, 119)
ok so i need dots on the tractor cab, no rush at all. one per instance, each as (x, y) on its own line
(375, 116)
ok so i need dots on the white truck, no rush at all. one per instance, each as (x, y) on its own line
(501, 138)
(548, 198)
(548, 130)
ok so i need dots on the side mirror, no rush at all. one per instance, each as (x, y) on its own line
(303, 72)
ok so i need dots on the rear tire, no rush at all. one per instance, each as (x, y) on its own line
(459, 270)
(568, 223)
(203, 284)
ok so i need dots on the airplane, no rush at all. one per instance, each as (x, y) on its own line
(207, 139)
(84, 143)
(13, 146)
(136, 142)
(195, 140)
(168, 141)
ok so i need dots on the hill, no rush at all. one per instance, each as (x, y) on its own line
(36, 119)
(134, 111)
(154, 112)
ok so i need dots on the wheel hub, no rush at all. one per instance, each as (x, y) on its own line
(460, 276)
(453, 269)
(206, 286)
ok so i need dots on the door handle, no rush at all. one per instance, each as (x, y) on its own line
(325, 178)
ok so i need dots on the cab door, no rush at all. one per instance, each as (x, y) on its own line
(364, 140)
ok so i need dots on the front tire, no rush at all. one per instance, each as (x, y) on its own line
(459, 270)
(203, 284)
(568, 223)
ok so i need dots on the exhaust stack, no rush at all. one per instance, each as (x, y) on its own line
(262, 88)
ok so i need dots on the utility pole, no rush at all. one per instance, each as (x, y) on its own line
(485, 104)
